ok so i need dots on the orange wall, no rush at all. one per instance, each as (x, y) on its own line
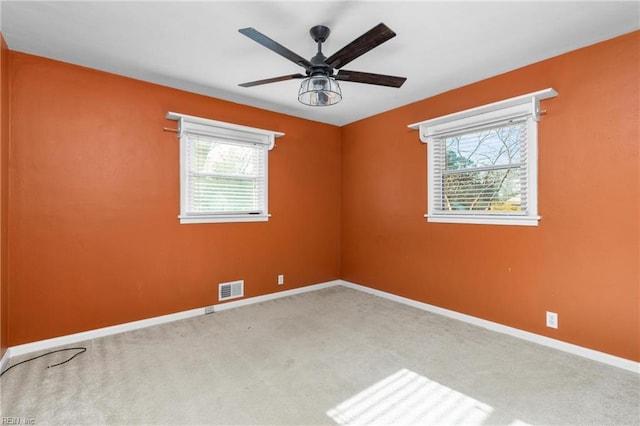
(94, 238)
(581, 261)
(4, 190)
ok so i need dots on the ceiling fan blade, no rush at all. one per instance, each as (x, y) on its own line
(369, 78)
(272, 80)
(367, 41)
(274, 46)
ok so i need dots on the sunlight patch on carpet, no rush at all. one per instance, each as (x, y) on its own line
(406, 397)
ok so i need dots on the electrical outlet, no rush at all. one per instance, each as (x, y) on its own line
(552, 319)
(208, 309)
(280, 279)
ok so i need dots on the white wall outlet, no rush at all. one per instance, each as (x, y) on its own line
(552, 319)
(209, 309)
(280, 279)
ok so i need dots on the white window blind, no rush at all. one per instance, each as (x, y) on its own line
(483, 163)
(482, 170)
(223, 171)
(225, 177)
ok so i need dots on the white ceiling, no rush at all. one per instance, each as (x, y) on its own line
(196, 46)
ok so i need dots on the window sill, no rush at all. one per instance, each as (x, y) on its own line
(485, 220)
(224, 218)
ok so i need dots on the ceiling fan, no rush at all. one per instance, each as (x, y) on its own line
(320, 85)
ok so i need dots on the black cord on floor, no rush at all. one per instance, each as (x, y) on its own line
(81, 349)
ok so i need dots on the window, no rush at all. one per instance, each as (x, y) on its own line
(223, 171)
(483, 163)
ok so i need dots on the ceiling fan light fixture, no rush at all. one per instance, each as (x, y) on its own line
(319, 90)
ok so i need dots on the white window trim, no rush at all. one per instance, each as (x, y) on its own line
(205, 126)
(521, 106)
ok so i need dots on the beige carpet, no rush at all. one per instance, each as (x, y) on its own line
(333, 356)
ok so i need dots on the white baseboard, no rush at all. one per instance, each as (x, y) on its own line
(602, 357)
(129, 326)
(521, 334)
(4, 360)
(251, 300)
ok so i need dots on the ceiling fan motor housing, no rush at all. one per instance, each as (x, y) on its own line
(319, 33)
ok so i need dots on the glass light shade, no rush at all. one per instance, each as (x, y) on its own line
(319, 90)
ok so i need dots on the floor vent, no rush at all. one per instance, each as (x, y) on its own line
(230, 290)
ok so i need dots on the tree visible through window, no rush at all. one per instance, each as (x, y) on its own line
(483, 170)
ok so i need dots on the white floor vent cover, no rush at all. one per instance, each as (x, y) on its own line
(230, 290)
